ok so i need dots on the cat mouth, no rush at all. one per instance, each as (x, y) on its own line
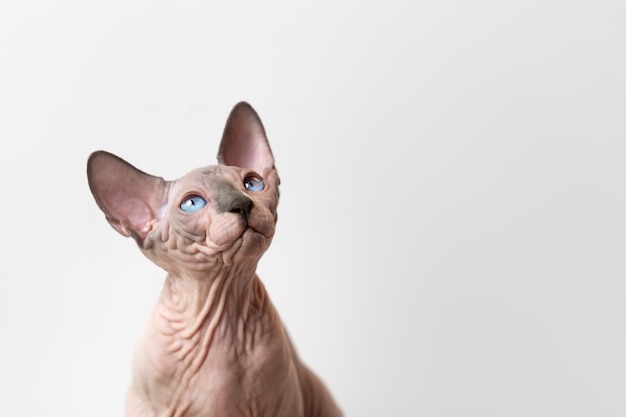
(259, 224)
(244, 238)
(252, 229)
(250, 244)
(259, 229)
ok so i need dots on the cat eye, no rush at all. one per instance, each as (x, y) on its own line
(253, 183)
(192, 204)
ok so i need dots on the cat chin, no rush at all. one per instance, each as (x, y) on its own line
(254, 241)
(251, 244)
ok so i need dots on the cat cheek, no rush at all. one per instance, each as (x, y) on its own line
(223, 233)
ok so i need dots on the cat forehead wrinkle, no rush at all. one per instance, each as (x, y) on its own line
(201, 172)
(211, 169)
(210, 176)
(197, 178)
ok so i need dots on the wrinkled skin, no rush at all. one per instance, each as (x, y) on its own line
(214, 344)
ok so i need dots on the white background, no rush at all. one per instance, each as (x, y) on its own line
(452, 232)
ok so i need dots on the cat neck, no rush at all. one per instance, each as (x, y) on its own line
(191, 302)
(217, 319)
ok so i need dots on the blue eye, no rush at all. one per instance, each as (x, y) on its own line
(192, 204)
(253, 183)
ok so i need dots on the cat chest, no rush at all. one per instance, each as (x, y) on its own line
(248, 378)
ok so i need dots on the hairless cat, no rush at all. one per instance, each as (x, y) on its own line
(214, 344)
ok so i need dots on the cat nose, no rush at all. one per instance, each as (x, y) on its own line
(241, 205)
(229, 199)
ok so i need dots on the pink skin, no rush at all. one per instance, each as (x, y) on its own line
(214, 345)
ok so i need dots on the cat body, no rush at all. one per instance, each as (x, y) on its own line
(214, 344)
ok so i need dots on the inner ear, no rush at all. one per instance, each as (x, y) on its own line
(130, 199)
(244, 143)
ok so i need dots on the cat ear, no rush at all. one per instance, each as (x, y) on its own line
(244, 143)
(130, 199)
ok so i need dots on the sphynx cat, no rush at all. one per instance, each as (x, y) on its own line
(214, 344)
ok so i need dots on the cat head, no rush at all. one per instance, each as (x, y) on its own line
(213, 216)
